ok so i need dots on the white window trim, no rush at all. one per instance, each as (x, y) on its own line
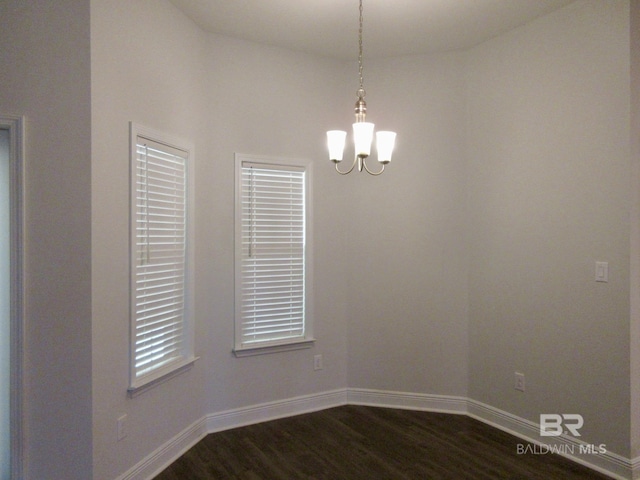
(283, 345)
(142, 383)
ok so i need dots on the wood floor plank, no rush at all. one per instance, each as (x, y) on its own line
(359, 442)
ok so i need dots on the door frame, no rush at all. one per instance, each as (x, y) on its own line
(15, 124)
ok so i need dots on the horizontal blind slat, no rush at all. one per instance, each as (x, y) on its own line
(160, 246)
(272, 208)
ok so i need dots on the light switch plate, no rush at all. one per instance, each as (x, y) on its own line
(602, 271)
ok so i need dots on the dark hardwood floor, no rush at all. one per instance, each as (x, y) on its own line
(369, 443)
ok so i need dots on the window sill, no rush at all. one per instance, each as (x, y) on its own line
(162, 375)
(281, 347)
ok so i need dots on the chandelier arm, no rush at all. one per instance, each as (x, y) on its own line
(364, 164)
(355, 161)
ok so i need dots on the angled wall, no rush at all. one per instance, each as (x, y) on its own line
(549, 195)
(45, 76)
(152, 65)
(407, 232)
(146, 68)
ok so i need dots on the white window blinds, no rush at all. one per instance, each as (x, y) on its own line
(270, 294)
(160, 329)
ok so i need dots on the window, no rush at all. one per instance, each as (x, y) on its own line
(273, 255)
(161, 322)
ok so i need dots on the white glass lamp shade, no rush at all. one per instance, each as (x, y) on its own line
(384, 144)
(335, 142)
(362, 137)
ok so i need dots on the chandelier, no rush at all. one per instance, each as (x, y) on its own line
(362, 131)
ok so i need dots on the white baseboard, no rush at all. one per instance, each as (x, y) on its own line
(239, 417)
(165, 455)
(608, 463)
(408, 401)
(168, 453)
(635, 468)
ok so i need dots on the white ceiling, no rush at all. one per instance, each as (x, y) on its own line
(391, 27)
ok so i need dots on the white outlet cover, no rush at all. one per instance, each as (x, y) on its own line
(122, 427)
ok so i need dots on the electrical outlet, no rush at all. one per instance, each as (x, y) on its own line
(317, 362)
(122, 427)
(519, 382)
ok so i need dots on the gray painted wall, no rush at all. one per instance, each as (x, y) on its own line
(550, 194)
(635, 230)
(45, 75)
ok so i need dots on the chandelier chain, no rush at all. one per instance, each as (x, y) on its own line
(362, 131)
(361, 92)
